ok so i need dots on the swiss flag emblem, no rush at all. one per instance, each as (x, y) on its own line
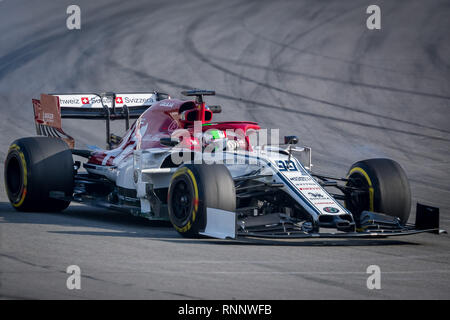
(85, 100)
(119, 100)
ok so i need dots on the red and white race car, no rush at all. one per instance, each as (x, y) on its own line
(208, 178)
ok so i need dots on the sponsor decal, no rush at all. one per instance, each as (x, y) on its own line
(48, 117)
(138, 100)
(81, 100)
(64, 102)
(299, 178)
(172, 126)
(166, 104)
(331, 209)
(315, 195)
(303, 184)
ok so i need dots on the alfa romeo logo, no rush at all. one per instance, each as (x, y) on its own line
(331, 210)
(172, 126)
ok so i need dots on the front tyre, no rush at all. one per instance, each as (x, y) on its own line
(386, 188)
(194, 188)
(34, 167)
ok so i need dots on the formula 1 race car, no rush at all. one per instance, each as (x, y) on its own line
(208, 178)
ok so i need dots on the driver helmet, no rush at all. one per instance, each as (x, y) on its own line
(215, 138)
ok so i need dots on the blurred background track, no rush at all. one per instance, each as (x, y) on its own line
(309, 68)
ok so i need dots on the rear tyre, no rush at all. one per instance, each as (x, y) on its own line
(387, 186)
(35, 166)
(194, 188)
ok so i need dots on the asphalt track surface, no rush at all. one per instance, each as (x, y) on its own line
(309, 68)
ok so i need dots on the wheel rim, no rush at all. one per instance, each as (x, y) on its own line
(362, 201)
(182, 201)
(14, 178)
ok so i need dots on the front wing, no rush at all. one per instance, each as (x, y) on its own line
(223, 225)
(337, 235)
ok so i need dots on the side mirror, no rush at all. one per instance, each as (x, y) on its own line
(192, 115)
(170, 142)
(215, 109)
(290, 140)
